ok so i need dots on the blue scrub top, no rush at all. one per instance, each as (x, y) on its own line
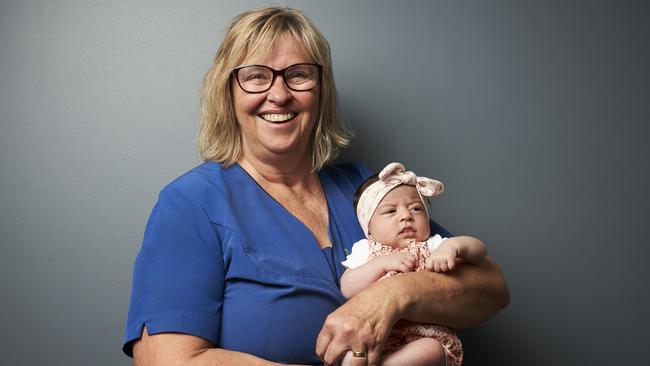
(224, 261)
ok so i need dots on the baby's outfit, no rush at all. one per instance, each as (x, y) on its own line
(406, 331)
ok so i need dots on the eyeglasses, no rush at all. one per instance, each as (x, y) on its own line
(259, 78)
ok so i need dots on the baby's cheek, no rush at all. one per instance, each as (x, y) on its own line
(425, 232)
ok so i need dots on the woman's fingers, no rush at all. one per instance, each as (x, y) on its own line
(352, 355)
(323, 341)
(335, 340)
(349, 359)
(340, 351)
(371, 358)
(361, 324)
(336, 351)
(374, 356)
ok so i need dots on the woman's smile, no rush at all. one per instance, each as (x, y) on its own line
(277, 117)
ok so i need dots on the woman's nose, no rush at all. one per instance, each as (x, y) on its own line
(279, 92)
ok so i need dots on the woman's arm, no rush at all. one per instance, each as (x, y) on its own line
(171, 349)
(460, 299)
(357, 279)
(465, 297)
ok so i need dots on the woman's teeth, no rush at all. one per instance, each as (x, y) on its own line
(273, 117)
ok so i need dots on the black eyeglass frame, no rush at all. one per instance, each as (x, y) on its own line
(235, 74)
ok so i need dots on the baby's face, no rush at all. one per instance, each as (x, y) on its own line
(399, 218)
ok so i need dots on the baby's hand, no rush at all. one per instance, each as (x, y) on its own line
(443, 259)
(399, 262)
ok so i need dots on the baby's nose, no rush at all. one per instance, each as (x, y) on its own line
(407, 215)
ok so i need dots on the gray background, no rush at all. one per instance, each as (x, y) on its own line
(534, 114)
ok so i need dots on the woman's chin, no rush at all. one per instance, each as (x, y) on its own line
(292, 142)
(284, 147)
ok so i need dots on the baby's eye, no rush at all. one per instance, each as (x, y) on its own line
(389, 211)
(416, 208)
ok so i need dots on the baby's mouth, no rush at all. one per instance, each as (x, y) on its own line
(277, 117)
(408, 230)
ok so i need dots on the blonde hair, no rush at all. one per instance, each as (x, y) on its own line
(251, 35)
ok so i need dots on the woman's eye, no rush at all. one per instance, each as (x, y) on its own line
(255, 77)
(297, 74)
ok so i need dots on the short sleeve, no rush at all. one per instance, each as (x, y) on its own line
(178, 277)
(434, 242)
(358, 256)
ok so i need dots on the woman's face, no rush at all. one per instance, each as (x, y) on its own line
(279, 121)
(400, 218)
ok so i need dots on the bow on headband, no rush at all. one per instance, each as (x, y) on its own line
(393, 175)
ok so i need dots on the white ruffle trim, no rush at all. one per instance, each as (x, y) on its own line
(434, 242)
(359, 255)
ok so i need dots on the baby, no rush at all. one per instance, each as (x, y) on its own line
(393, 215)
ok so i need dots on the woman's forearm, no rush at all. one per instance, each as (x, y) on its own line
(467, 296)
(218, 356)
(176, 349)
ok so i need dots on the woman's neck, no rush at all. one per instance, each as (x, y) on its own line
(282, 170)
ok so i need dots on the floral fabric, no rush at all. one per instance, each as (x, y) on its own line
(405, 331)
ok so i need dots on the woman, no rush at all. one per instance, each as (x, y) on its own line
(240, 264)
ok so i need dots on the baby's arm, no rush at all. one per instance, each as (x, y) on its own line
(464, 248)
(355, 280)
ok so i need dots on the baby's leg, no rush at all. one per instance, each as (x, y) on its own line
(347, 359)
(420, 352)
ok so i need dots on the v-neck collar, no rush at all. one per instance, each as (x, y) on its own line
(324, 186)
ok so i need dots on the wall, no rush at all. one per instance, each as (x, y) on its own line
(534, 115)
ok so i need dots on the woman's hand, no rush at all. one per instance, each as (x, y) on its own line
(361, 324)
(459, 299)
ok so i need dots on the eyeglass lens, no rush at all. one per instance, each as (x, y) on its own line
(259, 78)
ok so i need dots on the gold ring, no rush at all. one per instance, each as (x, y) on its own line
(359, 354)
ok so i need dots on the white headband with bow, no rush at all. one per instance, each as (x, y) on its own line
(393, 175)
